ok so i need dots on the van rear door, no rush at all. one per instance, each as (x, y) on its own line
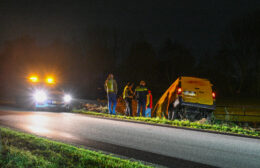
(196, 90)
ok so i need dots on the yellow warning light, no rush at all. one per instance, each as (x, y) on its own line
(33, 78)
(50, 80)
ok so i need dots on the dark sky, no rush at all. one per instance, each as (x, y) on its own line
(196, 23)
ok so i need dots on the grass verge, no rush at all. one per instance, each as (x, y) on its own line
(26, 150)
(220, 127)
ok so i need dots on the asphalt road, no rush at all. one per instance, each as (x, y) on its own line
(169, 147)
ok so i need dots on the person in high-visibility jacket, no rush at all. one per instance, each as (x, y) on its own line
(111, 89)
(128, 97)
(141, 92)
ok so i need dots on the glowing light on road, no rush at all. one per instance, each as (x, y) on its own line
(39, 119)
(39, 130)
(38, 124)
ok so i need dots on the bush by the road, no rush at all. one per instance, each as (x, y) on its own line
(220, 127)
(25, 150)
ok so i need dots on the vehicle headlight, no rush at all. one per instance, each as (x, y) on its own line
(67, 98)
(40, 96)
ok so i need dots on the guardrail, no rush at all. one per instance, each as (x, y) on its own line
(236, 113)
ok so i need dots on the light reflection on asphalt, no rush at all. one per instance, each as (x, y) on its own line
(38, 124)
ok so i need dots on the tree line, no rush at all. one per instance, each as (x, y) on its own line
(82, 64)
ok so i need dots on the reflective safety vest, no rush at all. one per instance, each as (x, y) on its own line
(141, 92)
(141, 89)
(110, 85)
(125, 93)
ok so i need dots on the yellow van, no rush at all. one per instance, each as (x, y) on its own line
(194, 99)
(187, 98)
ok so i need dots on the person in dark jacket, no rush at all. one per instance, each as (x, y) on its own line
(111, 89)
(141, 92)
(128, 97)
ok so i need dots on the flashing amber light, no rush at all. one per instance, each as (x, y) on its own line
(50, 80)
(179, 91)
(213, 95)
(33, 78)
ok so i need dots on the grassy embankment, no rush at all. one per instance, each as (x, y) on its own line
(224, 127)
(25, 150)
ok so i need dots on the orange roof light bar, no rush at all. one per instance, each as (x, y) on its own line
(50, 80)
(34, 78)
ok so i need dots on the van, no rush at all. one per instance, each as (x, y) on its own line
(187, 98)
(194, 99)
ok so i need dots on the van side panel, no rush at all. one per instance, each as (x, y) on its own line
(196, 90)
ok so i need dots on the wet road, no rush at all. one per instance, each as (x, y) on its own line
(170, 147)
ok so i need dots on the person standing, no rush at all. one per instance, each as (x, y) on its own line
(141, 95)
(128, 97)
(149, 104)
(111, 89)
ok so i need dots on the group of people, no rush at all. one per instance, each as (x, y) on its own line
(141, 94)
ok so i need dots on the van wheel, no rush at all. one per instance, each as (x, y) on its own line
(182, 113)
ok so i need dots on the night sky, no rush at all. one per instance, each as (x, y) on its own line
(196, 23)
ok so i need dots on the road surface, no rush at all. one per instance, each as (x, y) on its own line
(169, 147)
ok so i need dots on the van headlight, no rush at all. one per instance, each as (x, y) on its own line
(67, 98)
(40, 96)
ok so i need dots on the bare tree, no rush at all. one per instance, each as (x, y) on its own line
(240, 47)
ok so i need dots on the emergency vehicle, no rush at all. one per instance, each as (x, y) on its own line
(43, 93)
